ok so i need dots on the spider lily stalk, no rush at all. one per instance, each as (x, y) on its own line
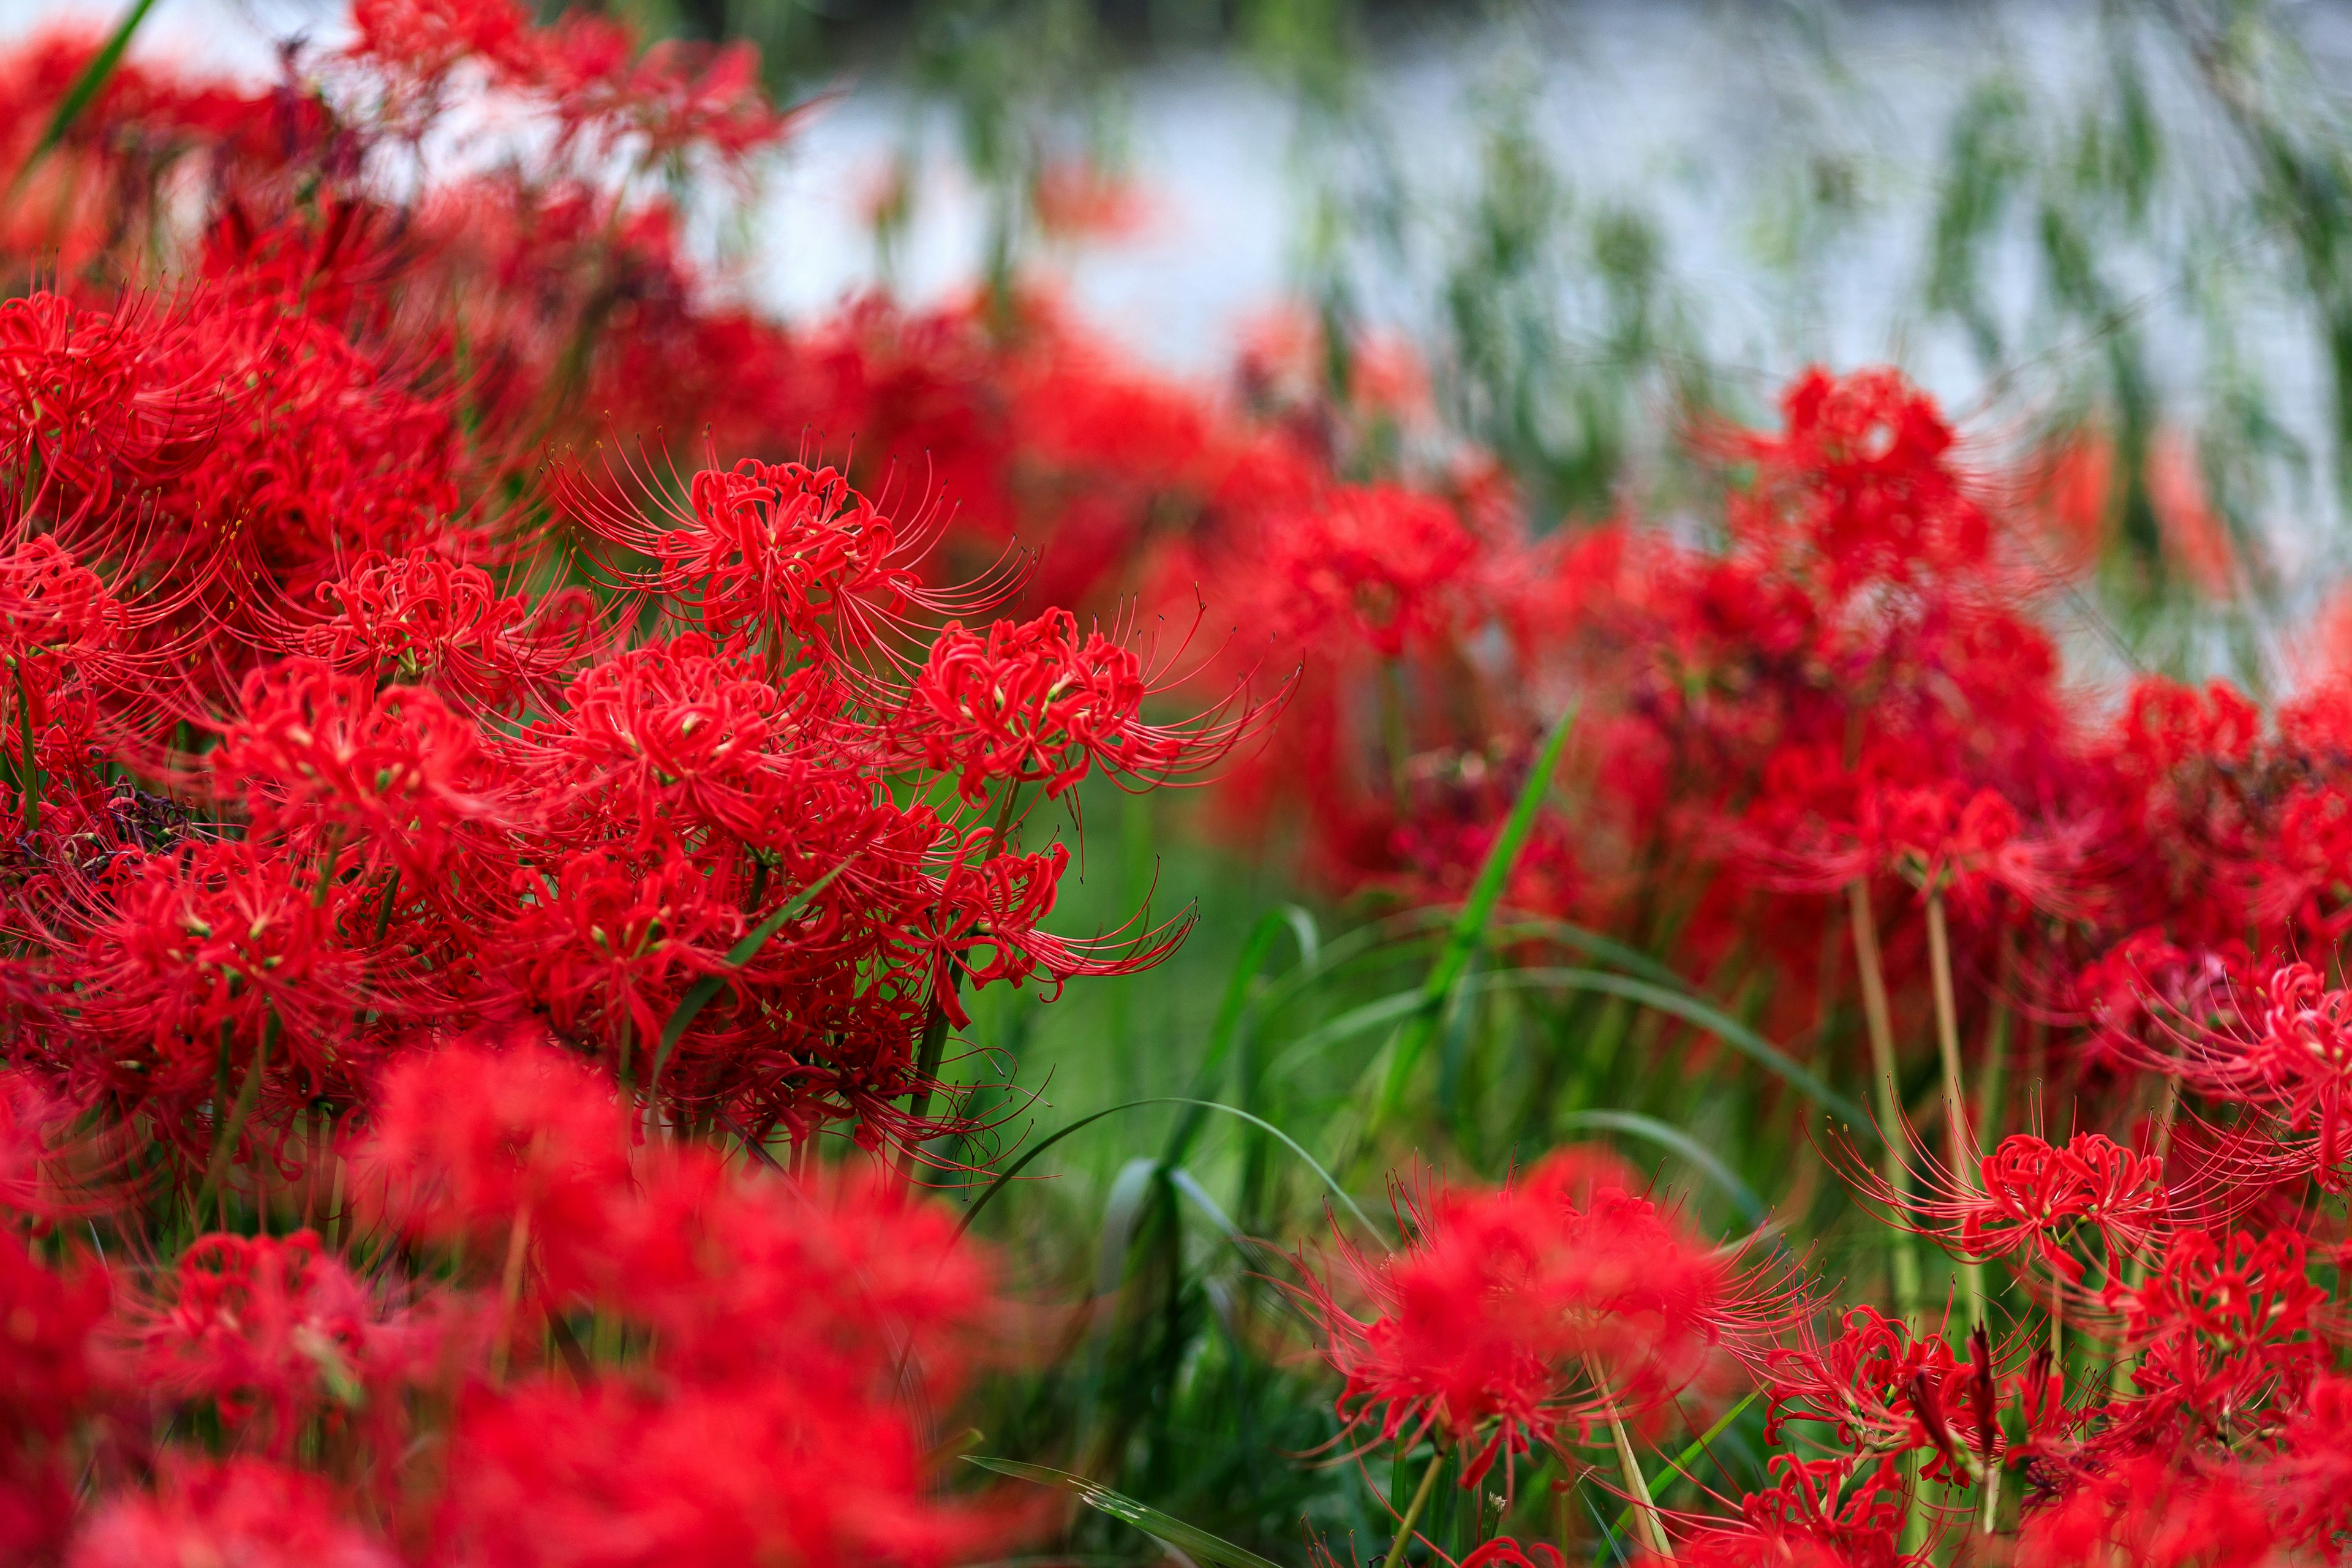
(1956, 1121)
(1904, 1267)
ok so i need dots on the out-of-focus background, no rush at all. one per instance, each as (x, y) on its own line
(1576, 222)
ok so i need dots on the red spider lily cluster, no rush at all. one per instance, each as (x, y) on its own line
(426, 841)
(1514, 1318)
(451, 1411)
(1832, 750)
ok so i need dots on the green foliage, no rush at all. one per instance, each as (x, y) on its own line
(1186, 1382)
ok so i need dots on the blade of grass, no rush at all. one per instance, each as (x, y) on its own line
(1695, 1010)
(1518, 928)
(1210, 1551)
(1222, 1034)
(1438, 991)
(1668, 1136)
(86, 87)
(699, 994)
(1683, 1005)
(1689, 1455)
(1004, 1176)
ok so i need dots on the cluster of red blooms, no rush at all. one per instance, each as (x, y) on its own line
(422, 848)
(1540, 1313)
(601, 1351)
(1830, 751)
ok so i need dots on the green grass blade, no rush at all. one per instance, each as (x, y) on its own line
(1690, 1455)
(1517, 927)
(699, 994)
(1674, 999)
(1470, 926)
(1690, 1010)
(85, 86)
(1668, 1136)
(1355, 1021)
(1230, 1012)
(1121, 1213)
(1209, 1551)
(1015, 1169)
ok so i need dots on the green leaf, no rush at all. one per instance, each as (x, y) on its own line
(1668, 1136)
(1470, 926)
(1691, 1010)
(1517, 927)
(699, 994)
(1015, 1169)
(1210, 1551)
(85, 87)
(1665, 998)
(1684, 1461)
(1232, 1008)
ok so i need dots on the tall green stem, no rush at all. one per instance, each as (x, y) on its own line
(1880, 1021)
(1413, 1509)
(1644, 1509)
(1961, 1148)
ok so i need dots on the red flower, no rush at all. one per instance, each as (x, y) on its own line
(1819, 1513)
(2225, 1334)
(243, 1512)
(1378, 564)
(1558, 1300)
(327, 759)
(2033, 1192)
(47, 1384)
(469, 1138)
(273, 1332)
(424, 618)
(1029, 703)
(2152, 1512)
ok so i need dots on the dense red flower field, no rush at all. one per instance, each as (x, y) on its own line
(516, 767)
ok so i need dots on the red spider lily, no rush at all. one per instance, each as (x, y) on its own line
(1859, 487)
(2224, 1328)
(868, 1287)
(745, 1471)
(2287, 1048)
(320, 760)
(773, 553)
(1819, 825)
(2031, 1200)
(53, 609)
(248, 1511)
(1380, 567)
(100, 403)
(678, 738)
(1819, 1513)
(2151, 1512)
(1563, 1298)
(1029, 703)
(2032, 1192)
(424, 618)
(468, 1138)
(217, 961)
(48, 1381)
(1877, 1387)
(273, 1334)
